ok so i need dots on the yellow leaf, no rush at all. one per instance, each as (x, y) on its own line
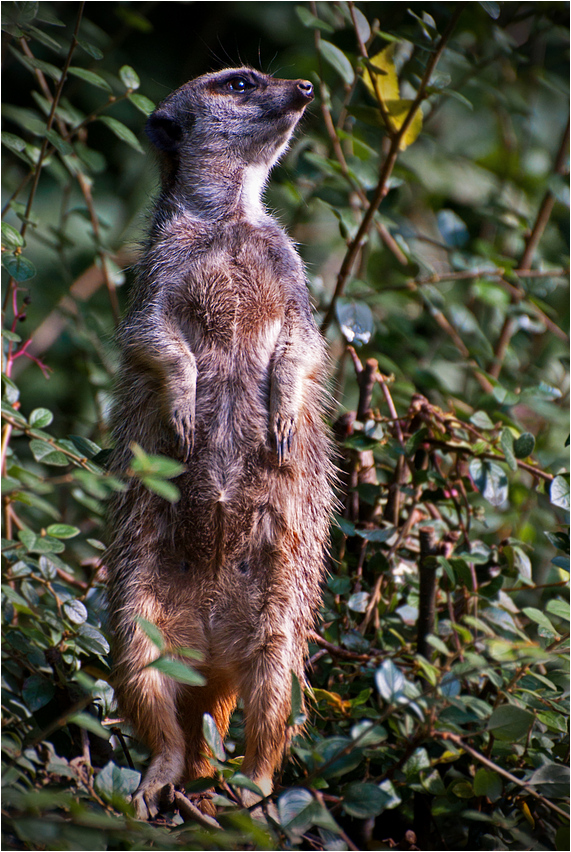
(449, 756)
(526, 812)
(387, 84)
(398, 111)
(384, 87)
(333, 699)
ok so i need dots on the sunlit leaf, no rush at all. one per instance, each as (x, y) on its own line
(383, 84)
(129, 77)
(490, 480)
(559, 492)
(355, 320)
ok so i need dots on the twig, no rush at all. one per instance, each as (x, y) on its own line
(455, 738)
(189, 811)
(386, 171)
(342, 653)
(384, 234)
(44, 146)
(453, 448)
(532, 243)
(427, 588)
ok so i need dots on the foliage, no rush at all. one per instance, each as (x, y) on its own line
(427, 192)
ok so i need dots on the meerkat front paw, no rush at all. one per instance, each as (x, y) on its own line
(182, 420)
(283, 428)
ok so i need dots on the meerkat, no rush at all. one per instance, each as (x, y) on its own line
(222, 368)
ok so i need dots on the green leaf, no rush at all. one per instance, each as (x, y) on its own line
(59, 144)
(507, 444)
(363, 800)
(376, 535)
(37, 691)
(152, 632)
(291, 807)
(11, 238)
(62, 531)
(243, 782)
(493, 9)
(90, 77)
(390, 682)
(362, 23)
(89, 723)
(524, 445)
(490, 480)
(40, 417)
(129, 77)
(558, 608)
(337, 59)
(212, 737)
(488, 783)
(161, 466)
(143, 104)
(551, 780)
(355, 320)
(45, 453)
(116, 782)
(40, 544)
(86, 447)
(91, 49)
(346, 527)
(510, 723)
(93, 639)
(47, 568)
(358, 602)
(368, 734)
(559, 492)
(164, 489)
(177, 670)
(438, 644)
(122, 132)
(32, 64)
(310, 21)
(296, 716)
(539, 618)
(18, 267)
(75, 611)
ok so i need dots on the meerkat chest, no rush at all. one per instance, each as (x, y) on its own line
(236, 296)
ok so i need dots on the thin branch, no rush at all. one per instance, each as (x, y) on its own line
(383, 232)
(386, 171)
(45, 142)
(455, 738)
(532, 243)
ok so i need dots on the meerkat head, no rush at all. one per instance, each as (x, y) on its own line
(236, 113)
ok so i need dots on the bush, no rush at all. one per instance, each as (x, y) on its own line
(427, 190)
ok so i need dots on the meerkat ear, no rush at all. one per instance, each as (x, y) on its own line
(164, 132)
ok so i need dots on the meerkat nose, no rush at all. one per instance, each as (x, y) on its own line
(306, 88)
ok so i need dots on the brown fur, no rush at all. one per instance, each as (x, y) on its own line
(222, 368)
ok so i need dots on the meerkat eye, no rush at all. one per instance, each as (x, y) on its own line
(239, 85)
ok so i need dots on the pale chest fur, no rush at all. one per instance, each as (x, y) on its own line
(236, 288)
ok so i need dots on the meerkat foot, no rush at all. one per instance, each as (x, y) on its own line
(146, 803)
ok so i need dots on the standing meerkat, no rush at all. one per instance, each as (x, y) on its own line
(222, 368)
